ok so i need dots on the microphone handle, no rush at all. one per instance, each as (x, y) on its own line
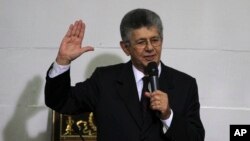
(154, 83)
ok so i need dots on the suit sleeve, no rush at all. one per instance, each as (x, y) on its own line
(188, 126)
(66, 99)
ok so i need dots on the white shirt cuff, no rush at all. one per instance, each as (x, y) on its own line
(167, 122)
(58, 69)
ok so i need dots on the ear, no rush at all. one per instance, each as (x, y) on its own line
(124, 47)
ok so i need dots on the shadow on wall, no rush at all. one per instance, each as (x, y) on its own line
(102, 60)
(26, 108)
(16, 128)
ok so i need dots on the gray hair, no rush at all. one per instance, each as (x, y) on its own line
(138, 18)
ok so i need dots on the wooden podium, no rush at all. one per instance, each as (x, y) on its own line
(68, 128)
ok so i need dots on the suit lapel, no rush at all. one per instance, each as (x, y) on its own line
(166, 82)
(165, 79)
(127, 89)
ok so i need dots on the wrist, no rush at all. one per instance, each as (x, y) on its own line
(61, 61)
(165, 115)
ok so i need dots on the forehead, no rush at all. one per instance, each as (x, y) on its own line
(144, 33)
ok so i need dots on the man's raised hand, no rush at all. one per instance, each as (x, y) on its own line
(71, 45)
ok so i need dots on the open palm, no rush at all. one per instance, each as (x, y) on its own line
(71, 45)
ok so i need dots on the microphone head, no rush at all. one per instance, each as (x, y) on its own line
(152, 69)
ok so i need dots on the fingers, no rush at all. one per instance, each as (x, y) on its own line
(82, 30)
(68, 34)
(155, 96)
(158, 101)
(76, 30)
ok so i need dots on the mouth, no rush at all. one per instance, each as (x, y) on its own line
(150, 57)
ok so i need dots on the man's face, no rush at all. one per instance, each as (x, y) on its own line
(144, 46)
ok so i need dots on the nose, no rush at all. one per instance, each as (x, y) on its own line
(149, 46)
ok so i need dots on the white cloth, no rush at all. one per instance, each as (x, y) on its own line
(58, 69)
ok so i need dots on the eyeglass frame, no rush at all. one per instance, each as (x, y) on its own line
(142, 43)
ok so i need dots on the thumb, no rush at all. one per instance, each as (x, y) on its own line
(147, 94)
(86, 49)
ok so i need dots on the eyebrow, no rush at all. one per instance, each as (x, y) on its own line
(147, 38)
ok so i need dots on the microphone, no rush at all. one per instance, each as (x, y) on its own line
(152, 71)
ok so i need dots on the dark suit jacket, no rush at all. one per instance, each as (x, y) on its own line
(112, 95)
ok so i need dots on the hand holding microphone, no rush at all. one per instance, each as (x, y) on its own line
(158, 99)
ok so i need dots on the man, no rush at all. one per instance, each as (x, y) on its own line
(115, 93)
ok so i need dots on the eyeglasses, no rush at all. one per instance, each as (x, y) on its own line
(141, 43)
